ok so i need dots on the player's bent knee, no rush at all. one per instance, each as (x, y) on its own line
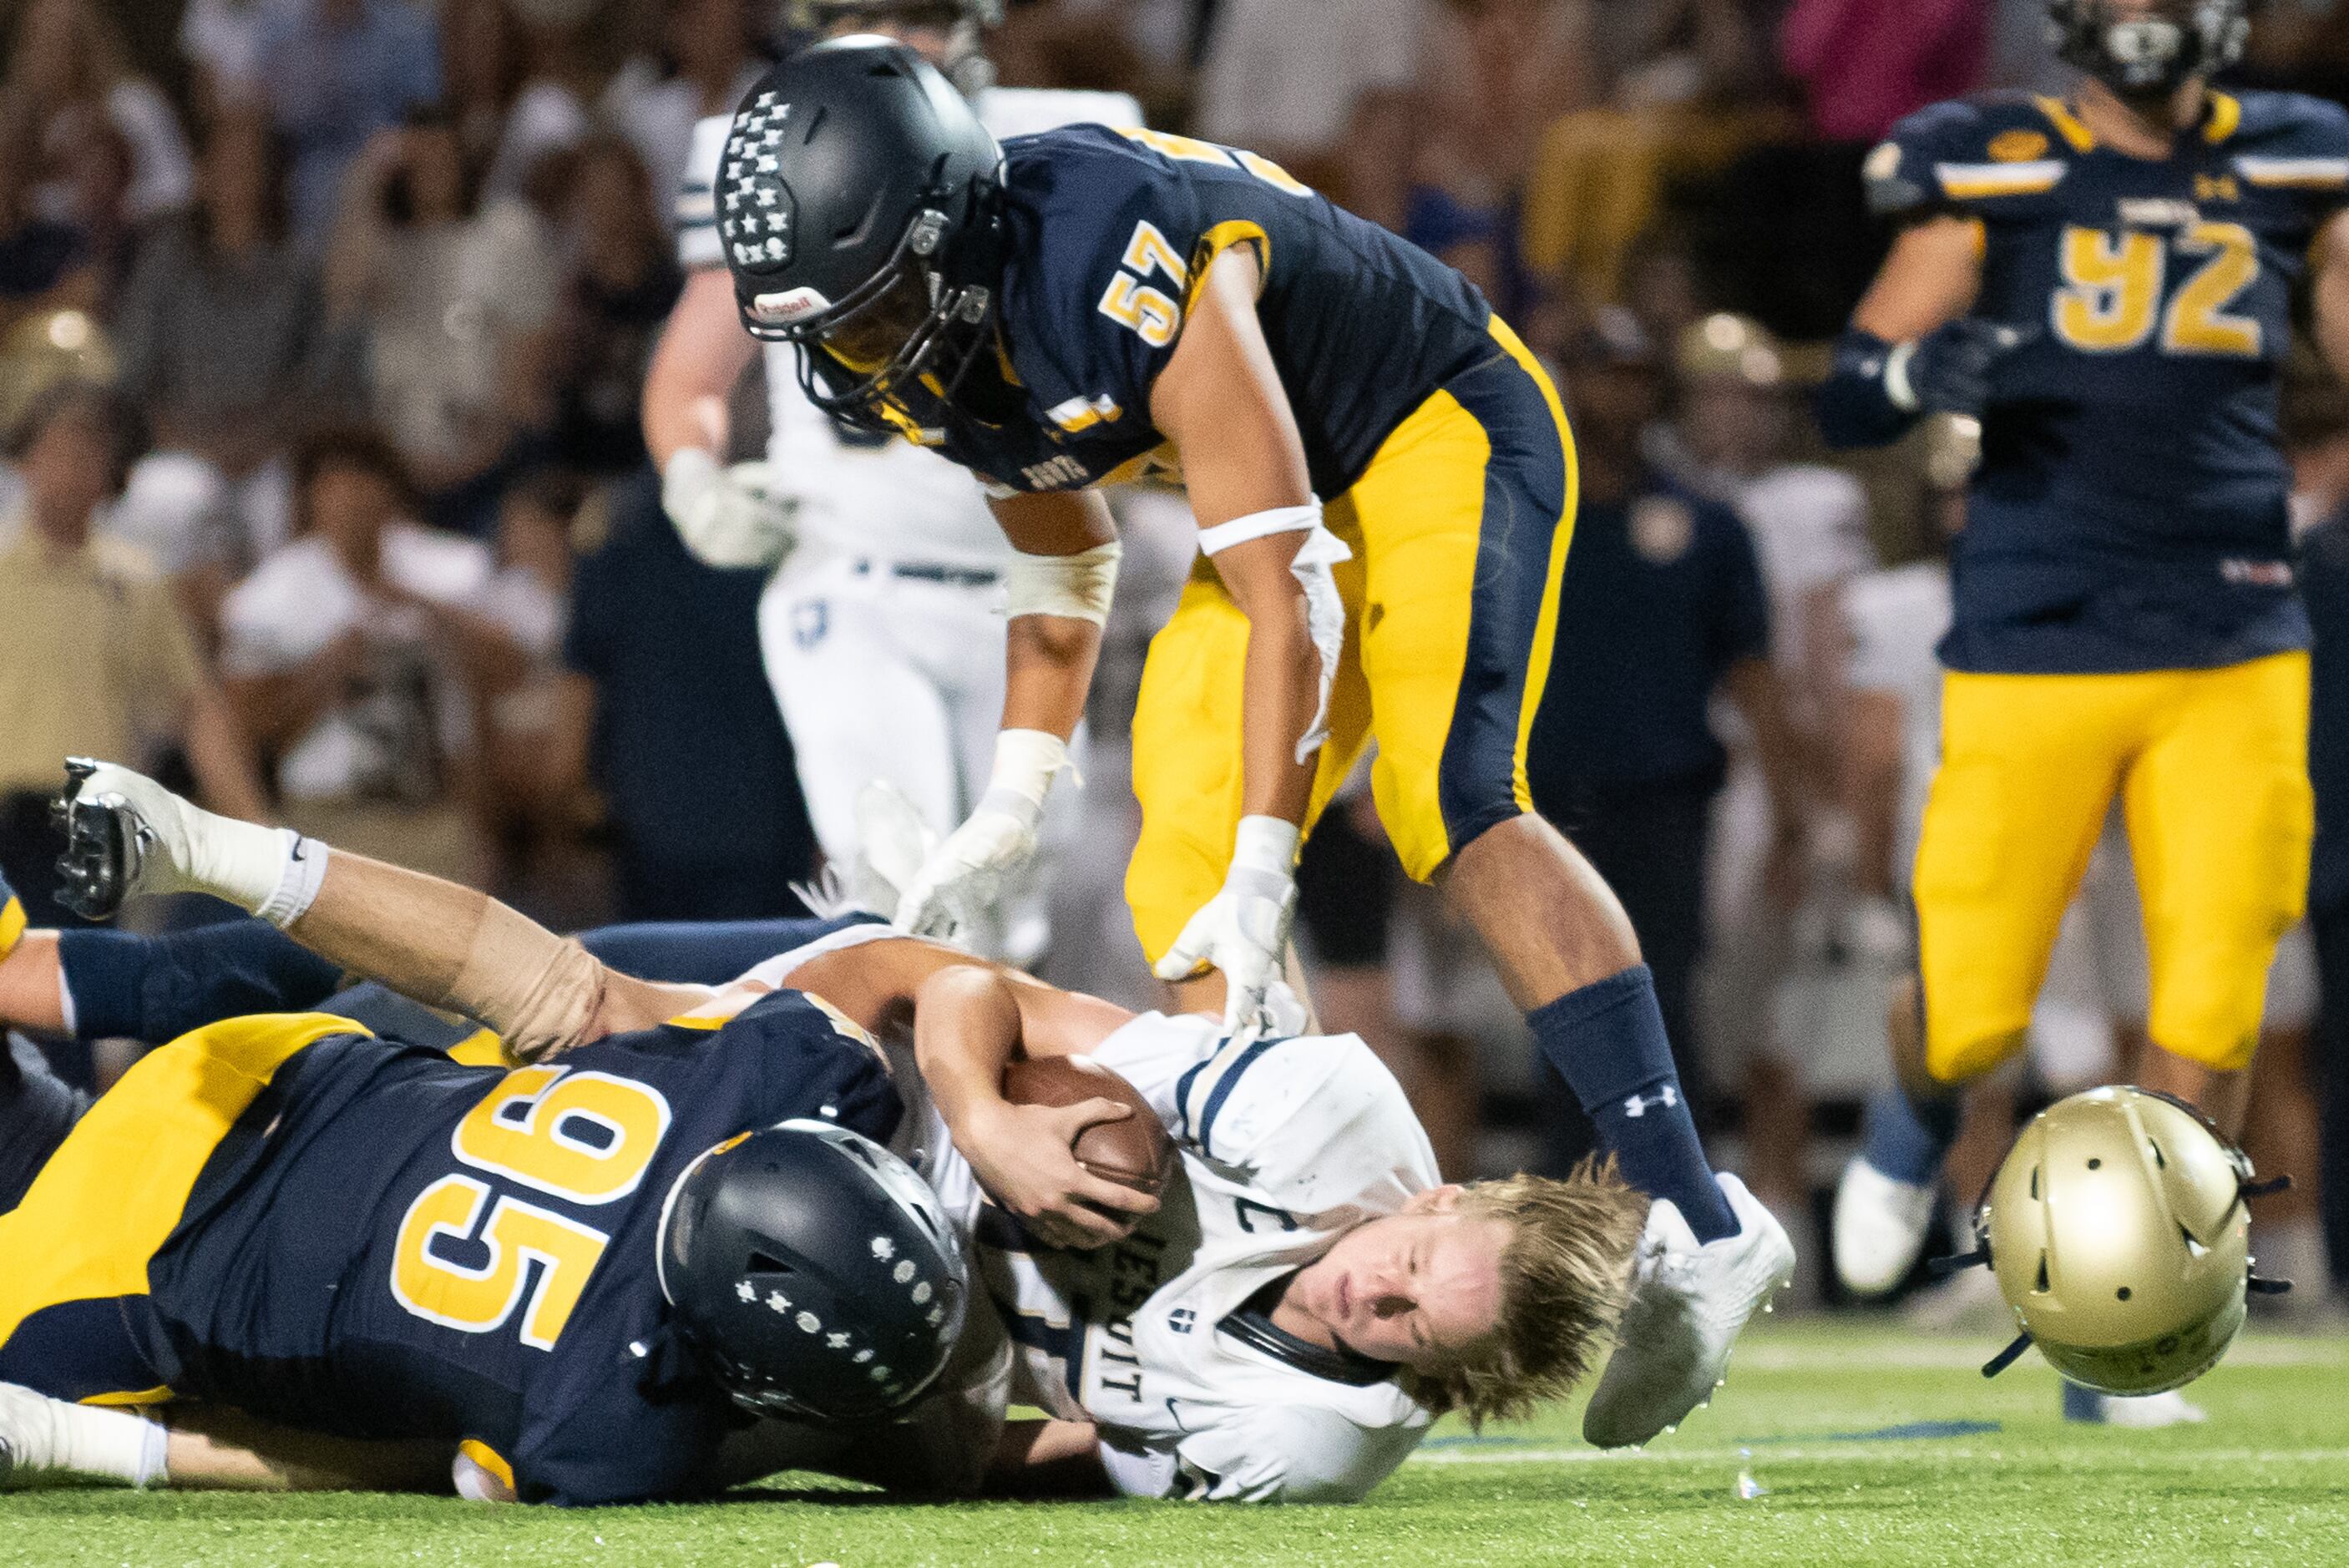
(1953, 1058)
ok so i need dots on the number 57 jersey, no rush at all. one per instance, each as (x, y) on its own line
(1163, 1340)
(2131, 510)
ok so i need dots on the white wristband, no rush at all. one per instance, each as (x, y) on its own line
(1026, 763)
(1895, 378)
(1267, 844)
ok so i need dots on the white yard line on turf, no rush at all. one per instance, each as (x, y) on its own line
(1877, 1451)
(1925, 1354)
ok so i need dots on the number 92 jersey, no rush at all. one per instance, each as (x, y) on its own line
(1108, 235)
(2130, 512)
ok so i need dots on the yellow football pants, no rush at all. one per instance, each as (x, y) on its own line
(2211, 769)
(1459, 530)
(114, 1190)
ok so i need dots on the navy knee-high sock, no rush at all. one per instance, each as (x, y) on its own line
(1906, 1140)
(1607, 1040)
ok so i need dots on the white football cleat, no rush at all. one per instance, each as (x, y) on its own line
(28, 1435)
(1688, 1304)
(1879, 1228)
(2144, 1412)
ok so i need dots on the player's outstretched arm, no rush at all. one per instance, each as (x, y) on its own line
(1059, 592)
(1221, 402)
(441, 945)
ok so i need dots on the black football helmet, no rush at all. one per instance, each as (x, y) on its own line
(813, 1273)
(857, 203)
(2153, 51)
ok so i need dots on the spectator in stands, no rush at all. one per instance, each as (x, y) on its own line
(622, 280)
(664, 653)
(711, 54)
(42, 259)
(353, 653)
(68, 68)
(96, 660)
(1867, 64)
(449, 297)
(1733, 443)
(217, 330)
(335, 72)
(1280, 77)
(1681, 106)
(482, 68)
(1662, 606)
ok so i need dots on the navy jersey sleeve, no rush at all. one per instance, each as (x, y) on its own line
(2296, 145)
(157, 988)
(1945, 160)
(1126, 231)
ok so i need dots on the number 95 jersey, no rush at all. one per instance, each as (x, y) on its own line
(1161, 1339)
(2130, 513)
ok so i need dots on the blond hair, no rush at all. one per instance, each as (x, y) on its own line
(1566, 1274)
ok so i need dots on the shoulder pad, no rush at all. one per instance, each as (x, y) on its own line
(1949, 155)
(2286, 141)
(697, 244)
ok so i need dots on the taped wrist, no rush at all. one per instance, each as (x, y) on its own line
(539, 991)
(1866, 400)
(1325, 607)
(1026, 763)
(1077, 587)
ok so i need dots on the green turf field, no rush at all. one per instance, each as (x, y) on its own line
(1812, 1411)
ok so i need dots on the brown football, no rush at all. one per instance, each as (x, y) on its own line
(1135, 1152)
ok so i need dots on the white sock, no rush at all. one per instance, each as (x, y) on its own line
(126, 1446)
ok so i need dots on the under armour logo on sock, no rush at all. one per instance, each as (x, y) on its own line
(1666, 1097)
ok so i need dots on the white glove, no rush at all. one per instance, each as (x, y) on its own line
(1243, 929)
(727, 515)
(964, 877)
(177, 847)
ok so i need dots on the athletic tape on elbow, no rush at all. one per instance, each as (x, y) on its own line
(1325, 607)
(1079, 586)
(539, 991)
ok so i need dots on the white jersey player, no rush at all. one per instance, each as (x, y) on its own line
(1165, 1340)
(881, 626)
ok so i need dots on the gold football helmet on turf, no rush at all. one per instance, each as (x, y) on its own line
(2119, 1232)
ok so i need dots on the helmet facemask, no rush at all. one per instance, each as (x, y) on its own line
(2149, 54)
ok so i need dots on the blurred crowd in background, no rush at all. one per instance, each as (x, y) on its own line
(323, 324)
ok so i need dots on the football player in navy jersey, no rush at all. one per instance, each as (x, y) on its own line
(2106, 282)
(1342, 1296)
(1384, 487)
(582, 1277)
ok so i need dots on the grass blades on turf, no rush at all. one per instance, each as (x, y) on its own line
(1872, 1445)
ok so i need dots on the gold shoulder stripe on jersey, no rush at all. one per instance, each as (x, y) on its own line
(2308, 173)
(2226, 117)
(2068, 124)
(1974, 182)
(1083, 413)
(2017, 146)
(1214, 243)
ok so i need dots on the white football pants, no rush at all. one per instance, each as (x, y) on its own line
(893, 669)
